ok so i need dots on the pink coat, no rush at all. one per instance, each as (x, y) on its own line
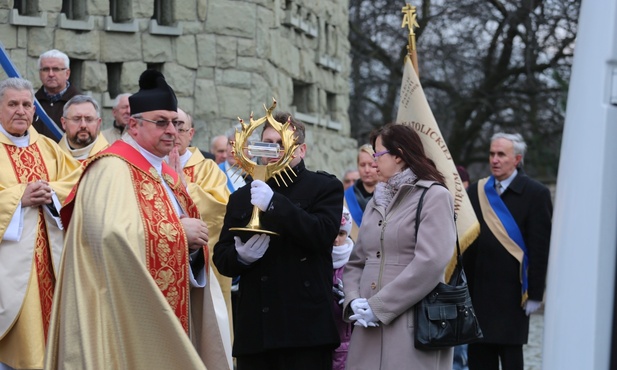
(339, 356)
(394, 272)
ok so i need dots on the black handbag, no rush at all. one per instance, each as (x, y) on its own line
(445, 317)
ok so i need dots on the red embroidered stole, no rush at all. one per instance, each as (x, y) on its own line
(29, 166)
(166, 244)
(190, 173)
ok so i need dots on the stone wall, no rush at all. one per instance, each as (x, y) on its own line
(224, 58)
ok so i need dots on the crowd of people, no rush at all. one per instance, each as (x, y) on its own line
(120, 249)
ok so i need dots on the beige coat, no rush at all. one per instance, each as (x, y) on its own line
(394, 272)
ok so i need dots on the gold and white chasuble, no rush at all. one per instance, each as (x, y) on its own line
(29, 262)
(83, 154)
(123, 298)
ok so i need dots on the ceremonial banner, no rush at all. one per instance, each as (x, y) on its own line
(415, 112)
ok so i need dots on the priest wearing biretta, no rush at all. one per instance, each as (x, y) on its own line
(136, 255)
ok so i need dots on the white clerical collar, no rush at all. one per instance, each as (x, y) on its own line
(184, 158)
(18, 141)
(505, 183)
(79, 153)
(155, 161)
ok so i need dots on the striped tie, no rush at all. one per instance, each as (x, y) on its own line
(498, 187)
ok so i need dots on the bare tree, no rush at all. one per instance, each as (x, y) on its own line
(485, 65)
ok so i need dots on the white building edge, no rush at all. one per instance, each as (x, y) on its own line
(579, 330)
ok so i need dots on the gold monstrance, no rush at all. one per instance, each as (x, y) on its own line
(264, 172)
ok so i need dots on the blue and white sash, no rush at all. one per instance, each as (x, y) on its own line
(353, 206)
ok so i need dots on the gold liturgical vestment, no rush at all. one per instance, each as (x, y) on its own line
(100, 144)
(28, 266)
(207, 186)
(123, 299)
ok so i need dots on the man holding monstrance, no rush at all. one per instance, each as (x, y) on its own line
(283, 256)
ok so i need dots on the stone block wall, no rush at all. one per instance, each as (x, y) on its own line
(224, 58)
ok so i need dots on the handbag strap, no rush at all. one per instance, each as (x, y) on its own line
(459, 257)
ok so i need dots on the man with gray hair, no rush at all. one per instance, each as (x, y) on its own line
(54, 72)
(121, 112)
(81, 122)
(36, 178)
(506, 265)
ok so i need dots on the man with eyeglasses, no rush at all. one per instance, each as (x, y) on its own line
(36, 178)
(206, 185)
(81, 122)
(54, 72)
(132, 292)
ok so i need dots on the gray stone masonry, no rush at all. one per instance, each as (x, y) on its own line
(224, 59)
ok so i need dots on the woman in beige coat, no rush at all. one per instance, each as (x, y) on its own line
(389, 271)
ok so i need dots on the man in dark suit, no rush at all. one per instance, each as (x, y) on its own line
(284, 317)
(506, 265)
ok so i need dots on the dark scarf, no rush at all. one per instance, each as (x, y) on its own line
(361, 194)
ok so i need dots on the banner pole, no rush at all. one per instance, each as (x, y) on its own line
(410, 20)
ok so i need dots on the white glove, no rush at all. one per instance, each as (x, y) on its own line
(531, 306)
(357, 304)
(361, 322)
(253, 249)
(370, 317)
(261, 194)
(363, 314)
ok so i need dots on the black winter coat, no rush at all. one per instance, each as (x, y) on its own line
(493, 273)
(53, 110)
(285, 297)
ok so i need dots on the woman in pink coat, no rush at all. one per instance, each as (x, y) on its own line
(389, 271)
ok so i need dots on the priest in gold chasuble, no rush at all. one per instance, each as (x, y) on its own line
(35, 179)
(207, 186)
(81, 121)
(133, 288)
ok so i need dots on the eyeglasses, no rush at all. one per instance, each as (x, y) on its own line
(182, 130)
(54, 69)
(87, 119)
(162, 123)
(379, 154)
